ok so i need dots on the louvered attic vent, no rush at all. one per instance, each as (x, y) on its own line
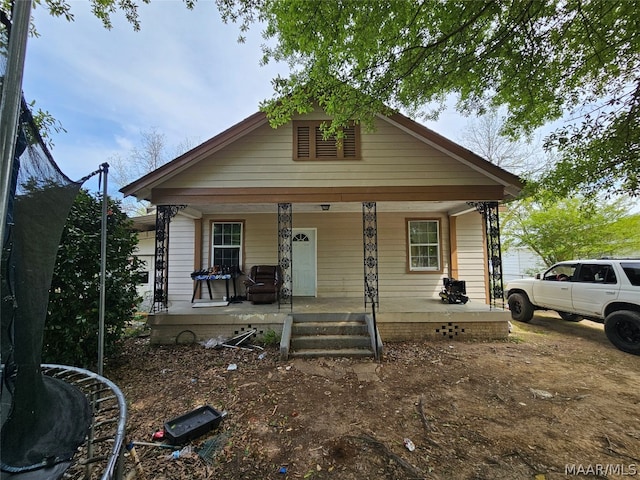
(303, 146)
(309, 144)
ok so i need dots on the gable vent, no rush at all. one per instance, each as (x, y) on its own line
(304, 143)
(325, 148)
(349, 142)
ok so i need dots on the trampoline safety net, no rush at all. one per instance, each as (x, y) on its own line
(43, 419)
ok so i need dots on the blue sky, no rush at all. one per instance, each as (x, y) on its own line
(183, 73)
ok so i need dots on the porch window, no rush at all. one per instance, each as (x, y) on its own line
(424, 245)
(226, 244)
(309, 144)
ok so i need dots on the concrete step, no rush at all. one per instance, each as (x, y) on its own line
(328, 317)
(330, 342)
(343, 352)
(329, 328)
(326, 335)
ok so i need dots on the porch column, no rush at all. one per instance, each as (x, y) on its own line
(370, 246)
(489, 211)
(164, 213)
(285, 249)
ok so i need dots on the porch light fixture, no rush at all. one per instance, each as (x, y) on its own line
(325, 207)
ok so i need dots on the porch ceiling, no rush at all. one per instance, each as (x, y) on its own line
(450, 207)
(148, 222)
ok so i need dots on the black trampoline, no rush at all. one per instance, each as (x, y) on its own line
(47, 413)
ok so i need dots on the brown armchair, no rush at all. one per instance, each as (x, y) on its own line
(263, 283)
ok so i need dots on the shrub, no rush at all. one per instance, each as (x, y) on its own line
(71, 329)
(270, 338)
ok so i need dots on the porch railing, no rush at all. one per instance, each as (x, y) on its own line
(376, 350)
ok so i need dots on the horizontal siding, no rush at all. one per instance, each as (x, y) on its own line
(145, 251)
(340, 253)
(390, 157)
(146, 243)
(471, 255)
(260, 245)
(340, 263)
(181, 258)
(394, 277)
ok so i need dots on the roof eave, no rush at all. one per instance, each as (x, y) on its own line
(513, 184)
(142, 187)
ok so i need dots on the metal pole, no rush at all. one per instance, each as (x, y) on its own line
(11, 100)
(103, 267)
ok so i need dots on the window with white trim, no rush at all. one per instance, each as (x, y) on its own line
(424, 245)
(226, 244)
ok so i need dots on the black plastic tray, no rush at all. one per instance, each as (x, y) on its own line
(192, 425)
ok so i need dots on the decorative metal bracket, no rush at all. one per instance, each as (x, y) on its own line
(489, 211)
(370, 246)
(164, 214)
(285, 249)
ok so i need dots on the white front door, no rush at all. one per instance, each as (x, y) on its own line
(304, 262)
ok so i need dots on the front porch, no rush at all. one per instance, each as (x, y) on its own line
(398, 319)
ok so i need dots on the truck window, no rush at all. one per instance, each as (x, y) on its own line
(610, 275)
(632, 271)
(587, 273)
(562, 272)
(597, 273)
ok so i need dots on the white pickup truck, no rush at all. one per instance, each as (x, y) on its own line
(606, 291)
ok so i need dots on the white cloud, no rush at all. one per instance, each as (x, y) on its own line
(124, 143)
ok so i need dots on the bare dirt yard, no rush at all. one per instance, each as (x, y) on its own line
(556, 400)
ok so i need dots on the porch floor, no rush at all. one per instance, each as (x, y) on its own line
(397, 318)
(332, 305)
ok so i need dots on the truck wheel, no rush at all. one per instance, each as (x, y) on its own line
(570, 317)
(623, 330)
(521, 308)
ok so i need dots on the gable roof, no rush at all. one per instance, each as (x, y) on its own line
(512, 183)
(142, 187)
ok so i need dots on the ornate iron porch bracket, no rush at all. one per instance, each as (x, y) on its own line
(370, 246)
(164, 213)
(489, 211)
(285, 249)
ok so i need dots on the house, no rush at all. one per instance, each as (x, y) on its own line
(379, 220)
(520, 263)
(145, 226)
